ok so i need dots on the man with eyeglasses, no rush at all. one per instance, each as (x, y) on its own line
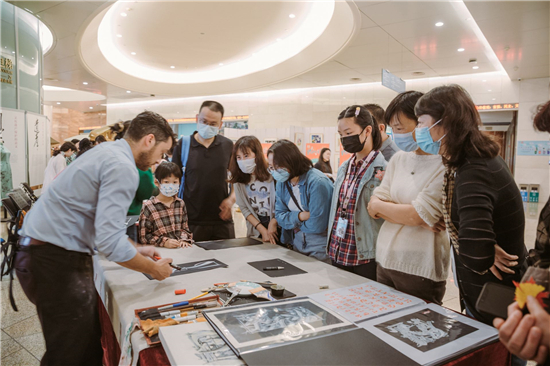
(205, 163)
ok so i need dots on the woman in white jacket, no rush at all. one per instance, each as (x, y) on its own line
(57, 163)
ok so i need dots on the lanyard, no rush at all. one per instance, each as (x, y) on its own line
(350, 186)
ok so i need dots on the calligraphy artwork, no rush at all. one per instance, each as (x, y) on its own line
(36, 133)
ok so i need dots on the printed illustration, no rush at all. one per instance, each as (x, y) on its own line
(209, 347)
(285, 321)
(426, 330)
(274, 319)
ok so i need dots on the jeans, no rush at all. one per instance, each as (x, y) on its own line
(312, 245)
(225, 230)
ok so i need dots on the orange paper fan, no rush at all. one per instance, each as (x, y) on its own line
(529, 288)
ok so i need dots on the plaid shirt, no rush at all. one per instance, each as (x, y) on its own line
(159, 223)
(343, 251)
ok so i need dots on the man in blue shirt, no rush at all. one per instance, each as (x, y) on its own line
(85, 209)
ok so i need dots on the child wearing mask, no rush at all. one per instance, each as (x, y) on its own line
(163, 219)
(254, 188)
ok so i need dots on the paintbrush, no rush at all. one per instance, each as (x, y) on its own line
(177, 308)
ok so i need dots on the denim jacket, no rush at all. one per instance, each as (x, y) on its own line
(366, 228)
(315, 193)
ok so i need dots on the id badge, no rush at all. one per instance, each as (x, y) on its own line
(341, 227)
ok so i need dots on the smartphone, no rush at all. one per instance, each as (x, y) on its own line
(495, 299)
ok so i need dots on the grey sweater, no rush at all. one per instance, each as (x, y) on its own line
(247, 209)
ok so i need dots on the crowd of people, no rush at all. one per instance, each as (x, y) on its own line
(399, 211)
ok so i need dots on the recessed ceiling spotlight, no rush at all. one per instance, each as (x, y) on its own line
(172, 67)
(355, 79)
(58, 102)
(119, 35)
(91, 107)
(494, 98)
(475, 67)
(85, 83)
(291, 16)
(127, 91)
(12, 51)
(489, 90)
(460, 50)
(484, 80)
(132, 53)
(439, 24)
(418, 73)
(221, 64)
(123, 14)
(23, 56)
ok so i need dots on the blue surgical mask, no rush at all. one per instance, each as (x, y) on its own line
(426, 142)
(280, 175)
(405, 141)
(207, 132)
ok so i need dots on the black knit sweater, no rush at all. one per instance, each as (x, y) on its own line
(486, 210)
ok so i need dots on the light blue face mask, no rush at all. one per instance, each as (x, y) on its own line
(280, 175)
(405, 141)
(426, 142)
(207, 132)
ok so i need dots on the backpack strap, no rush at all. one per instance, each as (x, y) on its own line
(185, 146)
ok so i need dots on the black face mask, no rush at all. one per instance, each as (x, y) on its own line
(353, 144)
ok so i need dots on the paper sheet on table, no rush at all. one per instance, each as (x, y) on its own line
(430, 334)
(368, 300)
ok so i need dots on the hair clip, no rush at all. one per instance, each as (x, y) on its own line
(357, 111)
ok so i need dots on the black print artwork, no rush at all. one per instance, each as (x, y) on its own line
(426, 330)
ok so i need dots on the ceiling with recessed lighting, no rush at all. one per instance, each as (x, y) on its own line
(167, 54)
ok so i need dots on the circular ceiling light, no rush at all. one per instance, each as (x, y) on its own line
(128, 91)
(418, 73)
(58, 103)
(439, 24)
(312, 26)
(123, 14)
(460, 50)
(292, 16)
(220, 64)
(355, 79)
(172, 67)
(85, 83)
(475, 67)
(91, 107)
(133, 53)
(119, 35)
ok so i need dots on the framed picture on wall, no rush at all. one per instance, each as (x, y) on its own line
(316, 138)
(299, 139)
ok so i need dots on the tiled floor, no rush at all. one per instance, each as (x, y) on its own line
(21, 336)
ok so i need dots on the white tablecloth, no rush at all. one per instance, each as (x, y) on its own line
(123, 290)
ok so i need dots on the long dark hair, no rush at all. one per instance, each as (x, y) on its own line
(542, 118)
(460, 119)
(84, 145)
(324, 165)
(363, 119)
(248, 144)
(403, 104)
(287, 155)
(65, 147)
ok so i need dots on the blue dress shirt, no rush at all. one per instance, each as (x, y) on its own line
(86, 205)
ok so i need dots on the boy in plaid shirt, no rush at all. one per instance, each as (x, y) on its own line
(163, 219)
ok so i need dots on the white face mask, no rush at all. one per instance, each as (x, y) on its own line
(169, 189)
(247, 166)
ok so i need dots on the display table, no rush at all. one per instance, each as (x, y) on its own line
(123, 290)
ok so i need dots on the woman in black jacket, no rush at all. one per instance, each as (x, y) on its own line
(483, 209)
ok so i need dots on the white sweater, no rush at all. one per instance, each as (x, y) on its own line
(414, 249)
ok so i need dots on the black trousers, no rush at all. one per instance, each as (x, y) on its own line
(213, 232)
(367, 270)
(61, 285)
